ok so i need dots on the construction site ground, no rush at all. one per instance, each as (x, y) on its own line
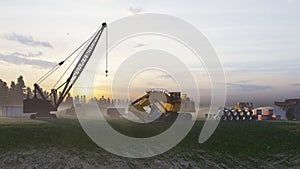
(62, 143)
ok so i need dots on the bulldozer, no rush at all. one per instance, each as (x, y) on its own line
(159, 104)
(241, 112)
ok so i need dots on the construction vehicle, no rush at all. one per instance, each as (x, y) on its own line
(242, 112)
(159, 104)
(291, 108)
(42, 104)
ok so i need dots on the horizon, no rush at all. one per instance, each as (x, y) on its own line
(257, 43)
(230, 101)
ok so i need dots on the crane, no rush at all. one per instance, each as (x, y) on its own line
(39, 104)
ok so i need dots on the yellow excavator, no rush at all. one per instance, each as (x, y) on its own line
(159, 104)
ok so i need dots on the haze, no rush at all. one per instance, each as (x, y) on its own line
(258, 42)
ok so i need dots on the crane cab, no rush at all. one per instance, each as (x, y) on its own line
(40, 107)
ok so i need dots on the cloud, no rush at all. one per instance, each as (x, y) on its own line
(248, 87)
(244, 81)
(29, 55)
(135, 10)
(295, 84)
(27, 40)
(25, 59)
(165, 76)
(139, 45)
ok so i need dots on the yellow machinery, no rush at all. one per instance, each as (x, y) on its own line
(161, 104)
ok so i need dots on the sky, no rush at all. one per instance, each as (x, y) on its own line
(257, 41)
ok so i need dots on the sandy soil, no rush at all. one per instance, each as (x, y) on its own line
(62, 158)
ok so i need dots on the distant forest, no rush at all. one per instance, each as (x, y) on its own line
(16, 92)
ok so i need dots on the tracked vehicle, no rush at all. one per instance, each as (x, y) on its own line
(159, 104)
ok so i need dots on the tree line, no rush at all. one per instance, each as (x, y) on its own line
(14, 93)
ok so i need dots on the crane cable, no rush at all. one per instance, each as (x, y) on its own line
(106, 53)
(64, 72)
(53, 69)
(72, 62)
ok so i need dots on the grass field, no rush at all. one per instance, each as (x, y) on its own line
(233, 145)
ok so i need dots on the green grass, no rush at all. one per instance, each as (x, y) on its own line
(26, 134)
(250, 138)
(237, 139)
